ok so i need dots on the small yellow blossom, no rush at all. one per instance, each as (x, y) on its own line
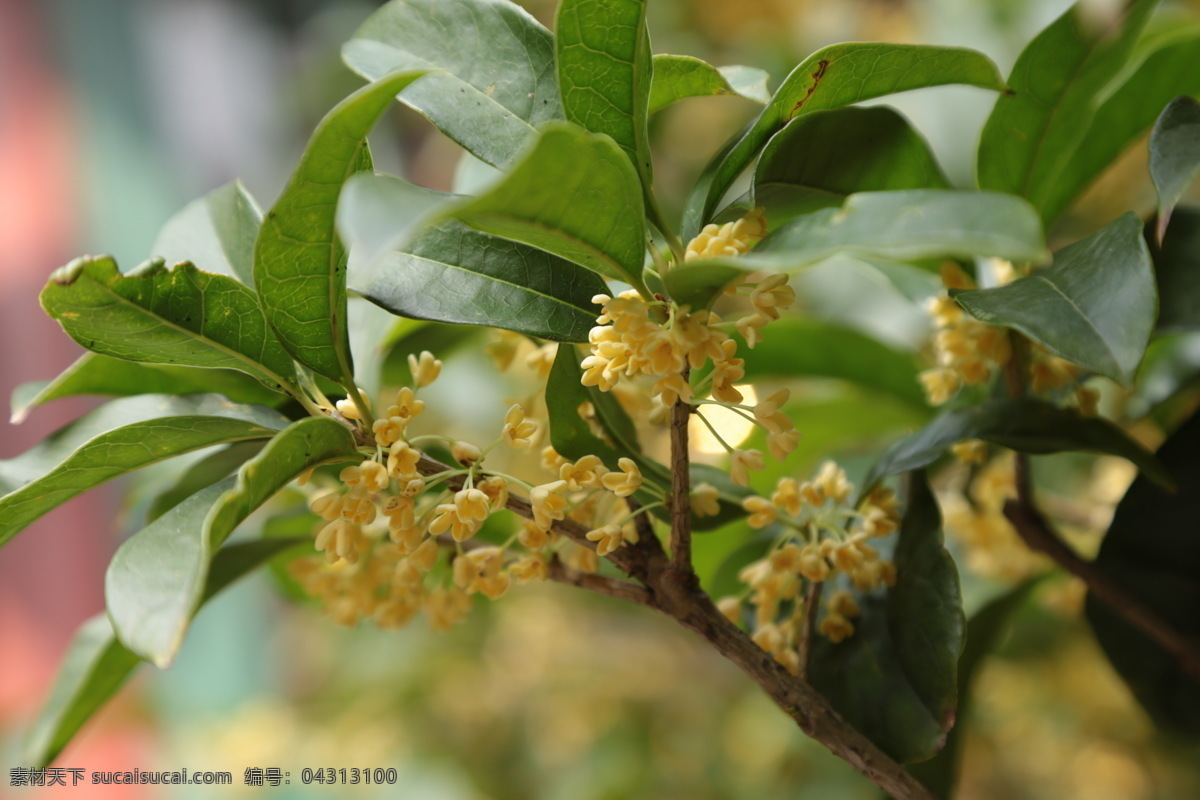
(741, 462)
(586, 473)
(518, 431)
(705, 500)
(547, 504)
(402, 461)
(625, 482)
(424, 368)
(836, 628)
(762, 513)
(465, 453)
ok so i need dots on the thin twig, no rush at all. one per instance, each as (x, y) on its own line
(610, 587)
(812, 599)
(681, 490)
(1037, 534)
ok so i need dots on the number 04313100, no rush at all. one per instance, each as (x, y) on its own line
(351, 776)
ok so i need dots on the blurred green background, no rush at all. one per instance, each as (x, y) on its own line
(114, 113)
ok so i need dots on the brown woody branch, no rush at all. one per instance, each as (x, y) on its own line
(1038, 535)
(677, 593)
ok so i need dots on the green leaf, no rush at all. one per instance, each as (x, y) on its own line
(680, 77)
(216, 233)
(1127, 111)
(1174, 154)
(1024, 425)
(834, 76)
(378, 213)
(575, 195)
(602, 52)
(106, 444)
(1095, 306)
(156, 580)
(97, 665)
(819, 158)
(1171, 366)
(1152, 551)
(451, 273)
(156, 315)
(203, 473)
(895, 679)
(299, 263)
(498, 78)
(985, 630)
(1057, 83)
(1177, 270)
(807, 347)
(896, 226)
(96, 374)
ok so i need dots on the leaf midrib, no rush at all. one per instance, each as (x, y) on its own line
(260, 368)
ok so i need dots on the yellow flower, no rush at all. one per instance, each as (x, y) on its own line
(446, 607)
(407, 406)
(626, 482)
(496, 489)
(970, 451)
(843, 603)
(533, 567)
(465, 453)
(424, 368)
(705, 500)
(762, 513)
(402, 461)
(584, 473)
(771, 295)
(547, 504)
(447, 518)
(787, 496)
(518, 431)
(370, 475)
(610, 537)
(836, 628)
(471, 505)
(832, 480)
(740, 462)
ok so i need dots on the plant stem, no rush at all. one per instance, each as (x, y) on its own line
(1037, 534)
(681, 491)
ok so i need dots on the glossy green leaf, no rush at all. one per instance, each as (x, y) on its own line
(895, 679)
(166, 316)
(1177, 271)
(819, 158)
(1152, 551)
(452, 273)
(156, 580)
(800, 347)
(93, 374)
(115, 439)
(985, 630)
(206, 471)
(1127, 111)
(1174, 154)
(897, 226)
(497, 80)
(835, 76)
(1057, 83)
(378, 213)
(216, 233)
(1095, 306)
(602, 52)
(680, 77)
(299, 262)
(1171, 366)
(1024, 425)
(97, 665)
(576, 195)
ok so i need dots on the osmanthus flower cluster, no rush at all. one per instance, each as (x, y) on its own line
(668, 343)
(970, 352)
(821, 538)
(386, 525)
